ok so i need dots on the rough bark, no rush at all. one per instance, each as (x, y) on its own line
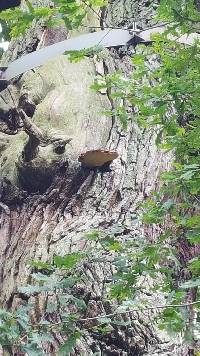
(49, 201)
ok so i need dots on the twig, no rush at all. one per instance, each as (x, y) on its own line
(126, 28)
(91, 8)
(142, 309)
(122, 313)
(30, 128)
(36, 137)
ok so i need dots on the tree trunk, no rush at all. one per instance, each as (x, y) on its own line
(49, 202)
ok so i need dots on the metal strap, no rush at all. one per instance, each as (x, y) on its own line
(105, 38)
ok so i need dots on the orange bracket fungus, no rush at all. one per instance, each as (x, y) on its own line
(97, 158)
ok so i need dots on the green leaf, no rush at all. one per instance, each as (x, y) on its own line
(51, 307)
(121, 322)
(67, 282)
(190, 284)
(77, 56)
(193, 221)
(172, 321)
(93, 235)
(68, 346)
(103, 329)
(168, 204)
(30, 290)
(104, 320)
(194, 266)
(40, 265)
(111, 244)
(68, 261)
(40, 277)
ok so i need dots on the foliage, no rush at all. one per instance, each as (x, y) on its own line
(56, 288)
(164, 91)
(62, 289)
(71, 13)
(77, 56)
(183, 12)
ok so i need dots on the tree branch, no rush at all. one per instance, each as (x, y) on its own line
(36, 136)
(122, 313)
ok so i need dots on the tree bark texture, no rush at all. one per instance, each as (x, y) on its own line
(50, 201)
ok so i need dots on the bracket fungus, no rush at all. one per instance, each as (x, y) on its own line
(97, 158)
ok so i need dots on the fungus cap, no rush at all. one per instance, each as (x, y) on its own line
(97, 158)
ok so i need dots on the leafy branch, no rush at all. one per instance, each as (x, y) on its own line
(101, 316)
(71, 14)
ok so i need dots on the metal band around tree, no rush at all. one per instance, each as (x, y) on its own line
(105, 38)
